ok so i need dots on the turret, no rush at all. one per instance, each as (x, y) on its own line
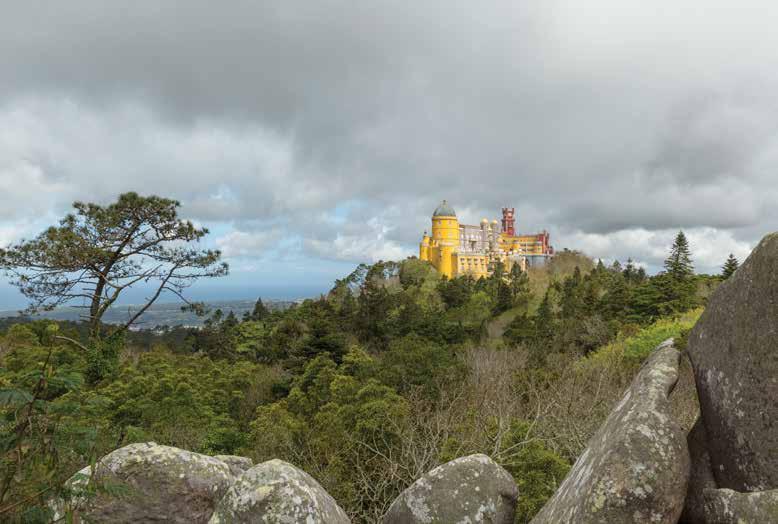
(508, 221)
(445, 234)
(424, 247)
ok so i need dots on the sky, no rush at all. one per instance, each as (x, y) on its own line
(313, 136)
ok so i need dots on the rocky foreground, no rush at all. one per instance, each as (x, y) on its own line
(639, 467)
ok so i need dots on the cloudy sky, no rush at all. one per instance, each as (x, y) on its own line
(310, 136)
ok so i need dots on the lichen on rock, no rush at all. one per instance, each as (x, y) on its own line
(472, 489)
(725, 506)
(236, 463)
(734, 353)
(636, 467)
(276, 492)
(149, 482)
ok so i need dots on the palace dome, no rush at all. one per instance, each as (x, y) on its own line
(444, 210)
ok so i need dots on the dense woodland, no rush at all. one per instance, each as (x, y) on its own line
(393, 372)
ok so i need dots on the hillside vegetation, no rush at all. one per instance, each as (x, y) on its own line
(392, 373)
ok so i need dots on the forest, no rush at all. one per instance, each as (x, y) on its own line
(392, 372)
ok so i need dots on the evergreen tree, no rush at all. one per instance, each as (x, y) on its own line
(260, 311)
(630, 271)
(456, 292)
(545, 321)
(615, 303)
(230, 321)
(373, 305)
(520, 292)
(677, 285)
(729, 266)
(679, 263)
(504, 298)
(572, 301)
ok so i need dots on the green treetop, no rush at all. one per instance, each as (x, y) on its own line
(679, 263)
(729, 266)
(98, 252)
(260, 311)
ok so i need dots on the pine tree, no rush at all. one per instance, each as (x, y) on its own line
(729, 266)
(504, 298)
(545, 320)
(615, 303)
(260, 311)
(679, 263)
(678, 285)
(519, 286)
(630, 271)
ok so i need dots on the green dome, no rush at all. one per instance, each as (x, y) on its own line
(444, 210)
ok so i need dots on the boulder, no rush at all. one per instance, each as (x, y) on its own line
(276, 492)
(237, 464)
(734, 353)
(725, 506)
(700, 477)
(151, 483)
(469, 489)
(636, 467)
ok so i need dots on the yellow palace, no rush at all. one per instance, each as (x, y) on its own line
(456, 249)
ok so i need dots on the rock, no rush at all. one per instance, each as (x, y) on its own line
(725, 506)
(636, 467)
(237, 464)
(734, 353)
(158, 483)
(700, 478)
(276, 492)
(469, 489)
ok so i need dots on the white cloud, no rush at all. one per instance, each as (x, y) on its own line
(710, 247)
(364, 243)
(248, 244)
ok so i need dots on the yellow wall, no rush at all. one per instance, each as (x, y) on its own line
(424, 248)
(473, 265)
(445, 235)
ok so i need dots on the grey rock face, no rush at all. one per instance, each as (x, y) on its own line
(276, 492)
(734, 352)
(636, 467)
(725, 506)
(469, 490)
(158, 484)
(700, 478)
(237, 464)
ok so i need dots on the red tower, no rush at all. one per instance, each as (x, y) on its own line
(508, 222)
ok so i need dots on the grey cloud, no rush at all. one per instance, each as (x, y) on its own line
(593, 118)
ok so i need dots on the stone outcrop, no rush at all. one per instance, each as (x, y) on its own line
(276, 492)
(734, 352)
(725, 506)
(700, 478)
(469, 489)
(152, 483)
(636, 467)
(237, 464)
